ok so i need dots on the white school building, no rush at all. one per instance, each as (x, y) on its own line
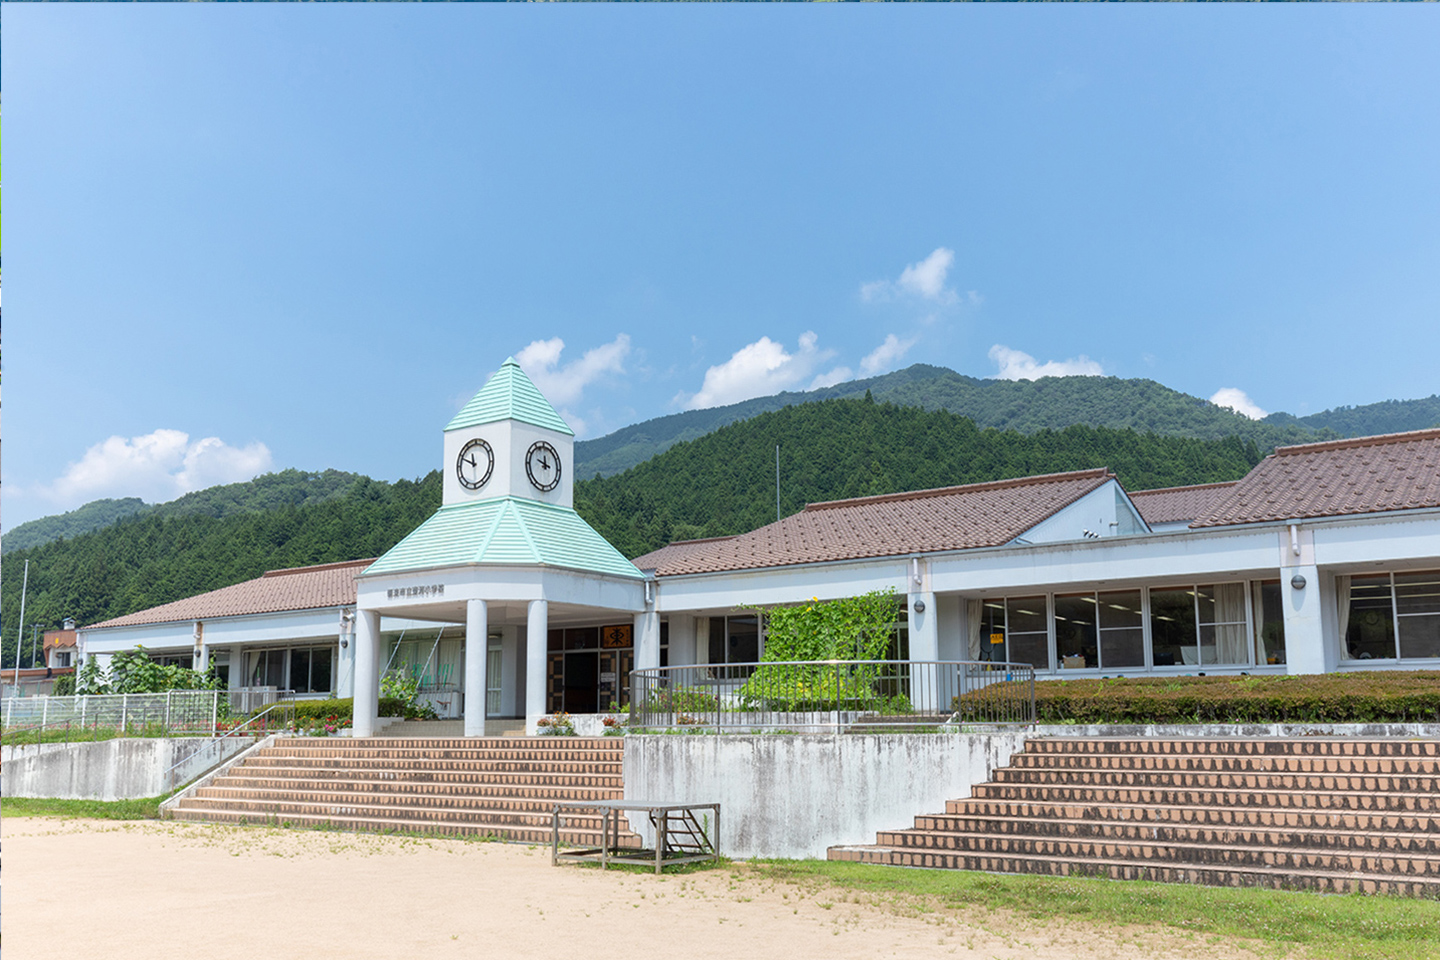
(507, 604)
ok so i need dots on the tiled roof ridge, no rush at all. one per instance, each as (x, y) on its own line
(1349, 443)
(287, 571)
(681, 543)
(1189, 486)
(1097, 473)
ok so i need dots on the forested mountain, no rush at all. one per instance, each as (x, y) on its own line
(723, 482)
(1052, 403)
(1387, 416)
(157, 557)
(286, 488)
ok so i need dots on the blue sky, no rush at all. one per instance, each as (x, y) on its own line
(255, 237)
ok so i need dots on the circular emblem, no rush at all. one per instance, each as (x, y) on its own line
(542, 466)
(475, 464)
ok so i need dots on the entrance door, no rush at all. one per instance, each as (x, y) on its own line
(582, 677)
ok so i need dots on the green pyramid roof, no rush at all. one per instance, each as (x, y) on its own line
(505, 530)
(509, 395)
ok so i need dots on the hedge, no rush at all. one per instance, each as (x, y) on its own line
(1393, 696)
(344, 709)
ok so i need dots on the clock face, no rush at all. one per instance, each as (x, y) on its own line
(475, 464)
(542, 466)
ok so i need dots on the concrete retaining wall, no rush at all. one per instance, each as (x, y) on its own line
(125, 768)
(795, 796)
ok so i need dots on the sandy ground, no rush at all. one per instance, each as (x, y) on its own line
(80, 889)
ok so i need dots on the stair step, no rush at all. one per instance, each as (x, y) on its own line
(508, 833)
(1191, 816)
(1220, 876)
(1356, 800)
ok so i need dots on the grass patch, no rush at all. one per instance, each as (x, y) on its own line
(145, 808)
(1348, 927)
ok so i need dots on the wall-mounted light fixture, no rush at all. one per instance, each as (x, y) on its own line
(919, 606)
(1298, 582)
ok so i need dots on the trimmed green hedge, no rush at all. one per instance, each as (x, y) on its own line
(344, 709)
(1394, 696)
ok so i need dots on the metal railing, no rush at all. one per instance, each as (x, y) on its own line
(276, 717)
(833, 695)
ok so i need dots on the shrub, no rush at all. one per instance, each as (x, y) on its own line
(681, 700)
(64, 685)
(1396, 696)
(344, 709)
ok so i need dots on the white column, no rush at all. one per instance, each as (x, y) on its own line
(476, 650)
(367, 672)
(202, 660)
(682, 640)
(647, 639)
(537, 633)
(924, 646)
(237, 666)
(1305, 647)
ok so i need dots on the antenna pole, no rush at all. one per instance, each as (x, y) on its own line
(777, 483)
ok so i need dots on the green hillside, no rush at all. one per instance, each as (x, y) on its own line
(724, 482)
(720, 483)
(286, 488)
(1051, 403)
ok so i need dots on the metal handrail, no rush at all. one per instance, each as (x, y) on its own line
(833, 695)
(288, 704)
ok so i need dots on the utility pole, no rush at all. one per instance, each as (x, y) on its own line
(777, 483)
(34, 629)
(20, 634)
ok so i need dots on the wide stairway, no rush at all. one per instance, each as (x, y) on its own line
(1332, 815)
(501, 787)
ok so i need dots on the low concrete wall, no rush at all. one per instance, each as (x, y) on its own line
(796, 796)
(125, 768)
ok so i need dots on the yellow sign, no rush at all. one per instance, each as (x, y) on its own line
(997, 638)
(617, 636)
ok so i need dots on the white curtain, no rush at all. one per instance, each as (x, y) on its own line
(1342, 598)
(1230, 628)
(974, 611)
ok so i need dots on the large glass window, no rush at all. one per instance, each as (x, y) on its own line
(1391, 615)
(1198, 625)
(1099, 630)
(1014, 630)
(1269, 623)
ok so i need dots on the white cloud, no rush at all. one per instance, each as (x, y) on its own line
(884, 357)
(563, 386)
(757, 370)
(1015, 365)
(925, 280)
(1237, 400)
(156, 467)
(831, 377)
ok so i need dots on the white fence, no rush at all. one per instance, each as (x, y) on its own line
(177, 711)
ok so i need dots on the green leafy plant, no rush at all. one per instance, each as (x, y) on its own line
(64, 685)
(398, 685)
(849, 629)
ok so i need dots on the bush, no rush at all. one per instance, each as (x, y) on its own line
(64, 685)
(1395, 696)
(343, 709)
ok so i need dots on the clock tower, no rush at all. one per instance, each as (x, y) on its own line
(508, 441)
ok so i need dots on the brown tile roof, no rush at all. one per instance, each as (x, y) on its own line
(950, 518)
(1394, 471)
(1177, 504)
(298, 588)
(671, 552)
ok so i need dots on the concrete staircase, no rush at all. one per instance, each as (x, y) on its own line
(1332, 815)
(502, 787)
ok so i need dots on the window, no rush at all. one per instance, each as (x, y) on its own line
(1014, 630)
(1100, 630)
(735, 639)
(1198, 625)
(301, 669)
(62, 659)
(1269, 623)
(1390, 615)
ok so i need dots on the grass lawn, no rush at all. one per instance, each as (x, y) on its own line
(146, 808)
(1293, 923)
